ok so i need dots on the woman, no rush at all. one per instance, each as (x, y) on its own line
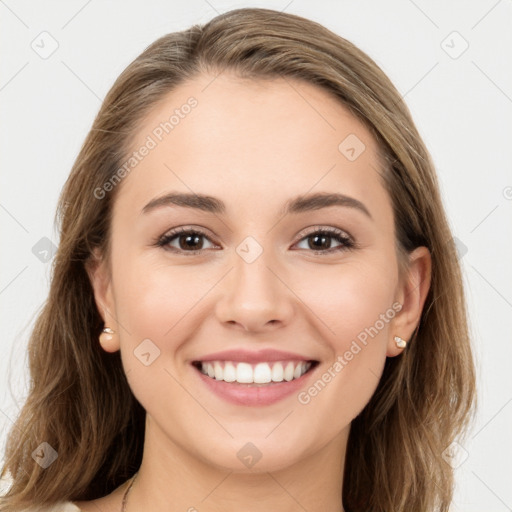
(256, 302)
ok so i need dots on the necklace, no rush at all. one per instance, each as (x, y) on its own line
(125, 497)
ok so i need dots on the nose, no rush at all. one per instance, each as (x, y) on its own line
(254, 297)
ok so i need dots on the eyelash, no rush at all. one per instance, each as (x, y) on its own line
(340, 236)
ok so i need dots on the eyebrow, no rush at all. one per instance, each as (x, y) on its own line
(299, 204)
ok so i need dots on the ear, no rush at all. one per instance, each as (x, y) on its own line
(101, 282)
(411, 293)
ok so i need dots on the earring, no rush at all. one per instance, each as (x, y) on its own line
(400, 343)
(106, 335)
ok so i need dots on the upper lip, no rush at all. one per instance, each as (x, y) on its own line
(260, 356)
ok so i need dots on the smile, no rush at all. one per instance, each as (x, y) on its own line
(261, 373)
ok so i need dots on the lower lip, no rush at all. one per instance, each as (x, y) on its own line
(254, 394)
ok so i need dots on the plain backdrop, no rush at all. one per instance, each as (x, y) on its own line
(450, 60)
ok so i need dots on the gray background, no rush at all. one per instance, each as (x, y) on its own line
(460, 98)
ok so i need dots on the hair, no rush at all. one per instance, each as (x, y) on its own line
(79, 401)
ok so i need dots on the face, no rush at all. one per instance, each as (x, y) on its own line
(258, 265)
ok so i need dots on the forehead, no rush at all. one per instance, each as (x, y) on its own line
(250, 141)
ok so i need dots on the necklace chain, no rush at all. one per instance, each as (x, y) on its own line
(125, 496)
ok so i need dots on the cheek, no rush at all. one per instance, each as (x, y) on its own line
(157, 307)
(350, 301)
(355, 317)
(363, 308)
(152, 300)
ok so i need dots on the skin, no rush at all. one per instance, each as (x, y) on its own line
(254, 145)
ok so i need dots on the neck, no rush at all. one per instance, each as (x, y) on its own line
(172, 478)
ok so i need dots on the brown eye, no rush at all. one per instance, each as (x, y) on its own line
(321, 241)
(184, 240)
(191, 241)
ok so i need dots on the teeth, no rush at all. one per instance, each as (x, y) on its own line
(243, 373)
(277, 373)
(229, 372)
(261, 373)
(288, 371)
(217, 370)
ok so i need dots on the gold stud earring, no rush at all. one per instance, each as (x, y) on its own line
(400, 343)
(106, 335)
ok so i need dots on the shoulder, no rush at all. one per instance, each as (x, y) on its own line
(63, 506)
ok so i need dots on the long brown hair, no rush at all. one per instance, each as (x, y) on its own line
(79, 401)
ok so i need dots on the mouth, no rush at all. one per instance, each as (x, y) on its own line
(255, 375)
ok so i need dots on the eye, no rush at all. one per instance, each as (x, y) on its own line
(187, 240)
(320, 241)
